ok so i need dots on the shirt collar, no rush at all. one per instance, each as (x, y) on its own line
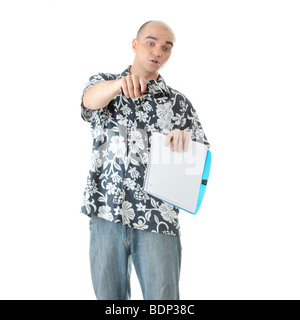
(161, 82)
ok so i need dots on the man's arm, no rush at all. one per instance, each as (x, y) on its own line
(99, 95)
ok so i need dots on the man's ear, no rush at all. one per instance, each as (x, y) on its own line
(134, 45)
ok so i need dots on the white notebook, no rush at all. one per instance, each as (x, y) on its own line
(175, 177)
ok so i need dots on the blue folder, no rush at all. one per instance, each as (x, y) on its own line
(204, 180)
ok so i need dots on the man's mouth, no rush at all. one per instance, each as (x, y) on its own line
(156, 62)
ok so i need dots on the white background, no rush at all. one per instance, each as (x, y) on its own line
(237, 61)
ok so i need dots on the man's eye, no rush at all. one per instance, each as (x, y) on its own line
(167, 49)
(150, 43)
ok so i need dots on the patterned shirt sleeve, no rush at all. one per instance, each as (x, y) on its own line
(90, 114)
(190, 123)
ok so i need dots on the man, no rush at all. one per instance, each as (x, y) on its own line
(128, 225)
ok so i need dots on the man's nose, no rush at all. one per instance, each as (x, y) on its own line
(157, 53)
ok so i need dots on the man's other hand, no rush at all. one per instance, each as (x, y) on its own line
(179, 138)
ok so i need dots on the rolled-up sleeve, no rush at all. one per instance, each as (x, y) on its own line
(90, 114)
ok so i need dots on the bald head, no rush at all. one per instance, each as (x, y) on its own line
(157, 23)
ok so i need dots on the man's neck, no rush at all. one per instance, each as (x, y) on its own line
(141, 73)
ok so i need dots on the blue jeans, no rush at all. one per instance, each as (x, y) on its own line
(113, 249)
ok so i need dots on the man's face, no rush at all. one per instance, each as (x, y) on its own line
(153, 48)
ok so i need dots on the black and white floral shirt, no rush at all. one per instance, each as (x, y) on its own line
(121, 134)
